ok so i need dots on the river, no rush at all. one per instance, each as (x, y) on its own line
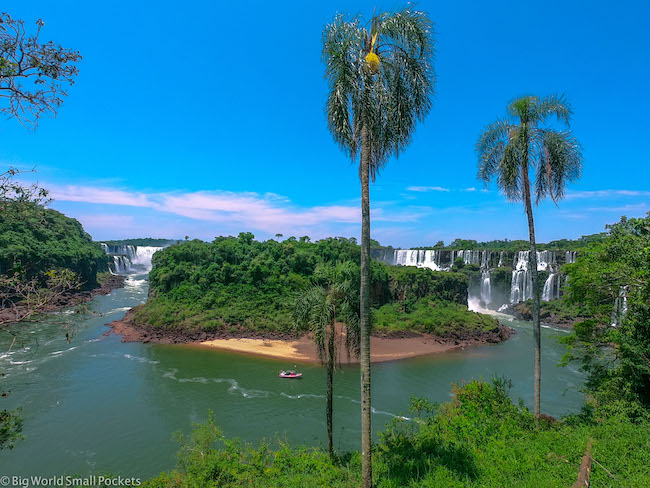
(97, 405)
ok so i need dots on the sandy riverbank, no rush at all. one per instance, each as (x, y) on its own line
(281, 346)
(304, 350)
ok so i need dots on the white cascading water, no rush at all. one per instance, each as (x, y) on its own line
(420, 258)
(486, 287)
(620, 306)
(521, 287)
(551, 289)
(432, 258)
(121, 265)
(469, 257)
(143, 255)
(522, 281)
(130, 259)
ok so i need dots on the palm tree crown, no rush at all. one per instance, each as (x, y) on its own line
(333, 296)
(380, 77)
(524, 138)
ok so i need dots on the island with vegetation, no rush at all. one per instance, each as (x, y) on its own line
(237, 287)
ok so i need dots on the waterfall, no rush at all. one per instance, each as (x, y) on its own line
(545, 259)
(121, 265)
(522, 280)
(431, 260)
(486, 287)
(130, 259)
(143, 255)
(551, 289)
(521, 287)
(469, 256)
(620, 306)
(420, 258)
(486, 257)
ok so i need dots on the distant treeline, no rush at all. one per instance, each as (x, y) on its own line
(508, 245)
(146, 241)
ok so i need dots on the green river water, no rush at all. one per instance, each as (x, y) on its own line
(97, 405)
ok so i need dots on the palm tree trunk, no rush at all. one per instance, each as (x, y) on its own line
(364, 309)
(330, 387)
(532, 265)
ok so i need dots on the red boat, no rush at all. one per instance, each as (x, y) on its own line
(290, 374)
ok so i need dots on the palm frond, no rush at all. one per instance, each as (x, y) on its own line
(407, 75)
(559, 162)
(410, 30)
(509, 174)
(553, 105)
(490, 148)
(343, 41)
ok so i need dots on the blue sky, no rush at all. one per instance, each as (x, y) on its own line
(205, 118)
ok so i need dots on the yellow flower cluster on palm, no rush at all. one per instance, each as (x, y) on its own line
(373, 61)
(371, 58)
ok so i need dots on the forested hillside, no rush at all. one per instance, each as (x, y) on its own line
(34, 240)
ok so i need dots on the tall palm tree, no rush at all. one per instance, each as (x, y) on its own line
(380, 78)
(522, 142)
(334, 295)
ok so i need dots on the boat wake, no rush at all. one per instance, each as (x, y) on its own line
(140, 359)
(235, 388)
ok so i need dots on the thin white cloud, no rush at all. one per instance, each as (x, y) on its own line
(636, 207)
(426, 188)
(267, 212)
(571, 195)
(88, 194)
(469, 189)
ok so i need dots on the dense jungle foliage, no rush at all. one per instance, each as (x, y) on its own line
(234, 282)
(34, 240)
(610, 281)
